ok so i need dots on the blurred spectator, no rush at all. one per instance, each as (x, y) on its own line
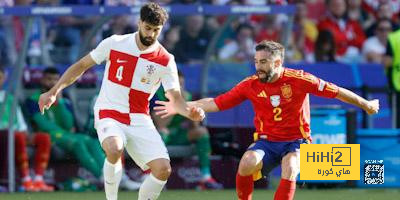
(268, 29)
(58, 122)
(119, 25)
(305, 33)
(242, 48)
(374, 47)
(325, 49)
(194, 39)
(66, 34)
(177, 130)
(384, 11)
(317, 7)
(171, 38)
(348, 34)
(356, 13)
(40, 140)
(392, 9)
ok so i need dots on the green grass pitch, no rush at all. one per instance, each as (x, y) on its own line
(301, 194)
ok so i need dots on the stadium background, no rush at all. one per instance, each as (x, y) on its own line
(56, 33)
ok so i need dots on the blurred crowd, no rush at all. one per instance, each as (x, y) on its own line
(323, 31)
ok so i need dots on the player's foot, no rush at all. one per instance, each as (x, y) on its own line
(128, 184)
(28, 186)
(210, 184)
(43, 187)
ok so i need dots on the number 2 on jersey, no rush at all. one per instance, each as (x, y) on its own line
(277, 114)
(120, 70)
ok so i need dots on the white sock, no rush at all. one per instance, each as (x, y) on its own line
(112, 177)
(151, 188)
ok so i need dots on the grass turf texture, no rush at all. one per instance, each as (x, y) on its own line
(301, 194)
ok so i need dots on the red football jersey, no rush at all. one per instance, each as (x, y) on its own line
(282, 108)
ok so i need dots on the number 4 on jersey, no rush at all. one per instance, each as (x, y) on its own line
(118, 75)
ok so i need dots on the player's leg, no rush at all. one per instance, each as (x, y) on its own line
(290, 170)
(22, 161)
(112, 139)
(199, 135)
(145, 146)
(42, 143)
(249, 164)
(152, 186)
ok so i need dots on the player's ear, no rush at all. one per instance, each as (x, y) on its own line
(277, 62)
(140, 23)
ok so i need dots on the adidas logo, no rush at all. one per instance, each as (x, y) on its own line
(262, 94)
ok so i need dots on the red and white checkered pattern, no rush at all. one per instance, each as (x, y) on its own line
(131, 78)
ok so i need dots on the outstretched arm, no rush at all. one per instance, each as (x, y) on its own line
(179, 106)
(347, 96)
(207, 104)
(69, 77)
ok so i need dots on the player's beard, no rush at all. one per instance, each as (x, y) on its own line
(146, 41)
(268, 75)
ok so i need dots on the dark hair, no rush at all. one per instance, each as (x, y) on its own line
(51, 70)
(2, 70)
(320, 54)
(274, 48)
(153, 14)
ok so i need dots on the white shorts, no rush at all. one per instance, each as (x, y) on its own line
(142, 142)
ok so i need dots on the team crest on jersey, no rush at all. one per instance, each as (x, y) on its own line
(286, 91)
(150, 69)
(275, 100)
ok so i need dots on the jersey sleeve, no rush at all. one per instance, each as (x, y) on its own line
(316, 86)
(102, 51)
(231, 98)
(170, 78)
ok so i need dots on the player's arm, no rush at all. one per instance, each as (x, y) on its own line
(69, 77)
(224, 101)
(347, 96)
(178, 103)
(319, 87)
(207, 104)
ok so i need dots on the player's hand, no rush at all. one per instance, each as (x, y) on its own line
(196, 114)
(46, 100)
(165, 109)
(372, 107)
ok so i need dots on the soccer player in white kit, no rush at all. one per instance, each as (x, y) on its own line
(136, 66)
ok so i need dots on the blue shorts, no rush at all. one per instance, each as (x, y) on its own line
(275, 151)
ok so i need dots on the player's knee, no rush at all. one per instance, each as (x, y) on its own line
(113, 148)
(248, 164)
(290, 167)
(162, 171)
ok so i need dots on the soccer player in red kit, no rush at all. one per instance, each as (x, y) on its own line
(280, 100)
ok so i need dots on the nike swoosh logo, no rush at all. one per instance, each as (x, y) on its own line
(121, 61)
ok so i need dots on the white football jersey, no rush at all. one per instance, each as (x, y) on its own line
(131, 78)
